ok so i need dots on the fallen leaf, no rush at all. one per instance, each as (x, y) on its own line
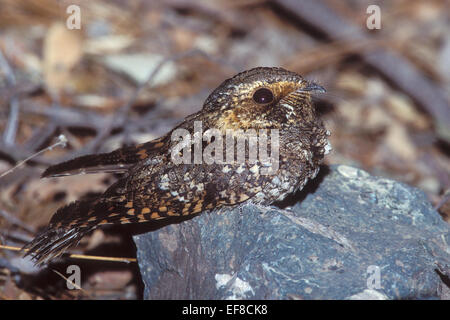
(62, 51)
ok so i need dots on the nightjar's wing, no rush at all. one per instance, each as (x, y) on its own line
(119, 160)
(155, 189)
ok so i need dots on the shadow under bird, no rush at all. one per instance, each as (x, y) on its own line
(153, 187)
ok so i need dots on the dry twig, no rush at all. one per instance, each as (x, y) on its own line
(80, 256)
(9, 135)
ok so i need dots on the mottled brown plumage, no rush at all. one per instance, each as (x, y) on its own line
(154, 187)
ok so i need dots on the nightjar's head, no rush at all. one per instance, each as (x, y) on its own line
(262, 98)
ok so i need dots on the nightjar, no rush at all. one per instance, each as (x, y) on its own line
(169, 176)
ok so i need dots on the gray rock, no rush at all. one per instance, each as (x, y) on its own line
(349, 236)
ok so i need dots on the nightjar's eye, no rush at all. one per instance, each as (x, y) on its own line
(263, 96)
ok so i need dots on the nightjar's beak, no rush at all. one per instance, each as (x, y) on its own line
(314, 87)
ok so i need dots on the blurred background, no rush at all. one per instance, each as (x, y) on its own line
(136, 68)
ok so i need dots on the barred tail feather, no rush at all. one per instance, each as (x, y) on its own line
(72, 222)
(52, 243)
(66, 228)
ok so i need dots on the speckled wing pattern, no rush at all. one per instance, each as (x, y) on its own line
(152, 190)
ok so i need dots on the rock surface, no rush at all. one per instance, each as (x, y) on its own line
(349, 235)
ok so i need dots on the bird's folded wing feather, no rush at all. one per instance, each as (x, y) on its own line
(119, 160)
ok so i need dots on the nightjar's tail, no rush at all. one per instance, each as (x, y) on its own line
(72, 222)
(65, 229)
(117, 205)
